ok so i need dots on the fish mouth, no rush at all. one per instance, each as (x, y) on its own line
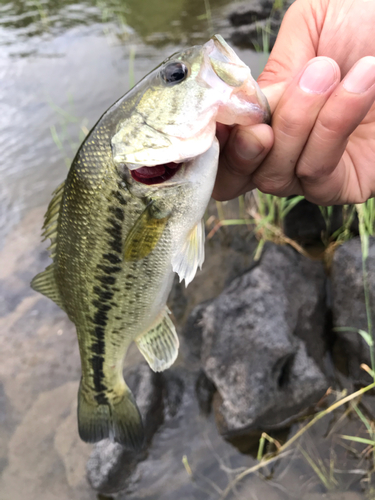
(156, 174)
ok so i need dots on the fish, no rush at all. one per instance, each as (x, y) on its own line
(130, 215)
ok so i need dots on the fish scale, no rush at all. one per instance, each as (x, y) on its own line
(116, 241)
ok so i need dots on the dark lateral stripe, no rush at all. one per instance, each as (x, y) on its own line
(109, 269)
(116, 245)
(98, 348)
(116, 226)
(119, 197)
(117, 212)
(101, 398)
(103, 295)
(100, 318)
(104, 292)
(112, 258)
(100, 305)
(97, 363)
(106, 280)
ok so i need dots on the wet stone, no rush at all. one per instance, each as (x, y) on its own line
(250, 21)
(250, 12)
(252, 348)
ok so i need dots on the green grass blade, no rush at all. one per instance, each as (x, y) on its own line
(357, 439)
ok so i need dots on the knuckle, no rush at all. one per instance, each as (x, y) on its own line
(293, 123)
(308, 173)
(270, 185)
(331, 124)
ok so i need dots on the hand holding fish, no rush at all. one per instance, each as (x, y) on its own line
(320, 83)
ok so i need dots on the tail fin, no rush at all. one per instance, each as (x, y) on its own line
(121, 422)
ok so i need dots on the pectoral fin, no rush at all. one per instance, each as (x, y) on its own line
(159, 345)
(145, 234)
(191, 256)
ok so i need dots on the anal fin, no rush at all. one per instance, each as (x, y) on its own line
(191, 256)
(159, 345)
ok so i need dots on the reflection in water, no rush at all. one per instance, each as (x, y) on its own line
(156, 22)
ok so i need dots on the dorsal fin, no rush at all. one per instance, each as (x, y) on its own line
(51, 218)
(45, 283)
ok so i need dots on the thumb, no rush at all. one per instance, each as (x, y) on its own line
(295, 45)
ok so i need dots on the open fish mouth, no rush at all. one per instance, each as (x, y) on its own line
(156, 174)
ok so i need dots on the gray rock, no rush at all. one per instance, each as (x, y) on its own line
(348, 304)
(252, 20)
(252, 343)
(251, 36)
(249, 12)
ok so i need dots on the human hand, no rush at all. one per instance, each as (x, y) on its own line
(322, 141)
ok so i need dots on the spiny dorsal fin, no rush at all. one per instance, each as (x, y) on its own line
(191, 256)
(45, 284)
(159, 345)
(51, 217)
(145, 233)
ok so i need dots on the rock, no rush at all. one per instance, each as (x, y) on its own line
(191, 336)
(248, 13)
(348, 304)
(251, 36)
(252, 346)
(256, 21)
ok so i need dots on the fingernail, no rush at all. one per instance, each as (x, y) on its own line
(247, 145)
(361, 77)
(318, 76)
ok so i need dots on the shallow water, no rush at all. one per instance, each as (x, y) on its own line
(62, 64)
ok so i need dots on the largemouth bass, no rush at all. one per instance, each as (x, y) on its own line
(129, 215)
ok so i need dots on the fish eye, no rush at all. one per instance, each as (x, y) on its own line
(174, 72)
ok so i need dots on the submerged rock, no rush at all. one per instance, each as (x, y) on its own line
(348, 304)
(256, 21)
(248, 12)
(252, 343)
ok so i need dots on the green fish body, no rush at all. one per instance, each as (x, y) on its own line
(129, 215)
